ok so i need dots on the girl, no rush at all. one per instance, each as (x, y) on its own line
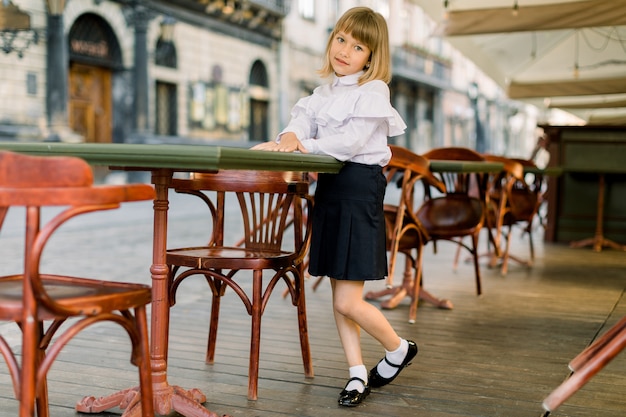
(350, 119)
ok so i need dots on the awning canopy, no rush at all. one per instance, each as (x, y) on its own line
(538, 50)
(528, 18)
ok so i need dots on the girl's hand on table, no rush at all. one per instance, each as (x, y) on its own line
(288, 143)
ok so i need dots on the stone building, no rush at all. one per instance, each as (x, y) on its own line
(121, 71)
(199, 71)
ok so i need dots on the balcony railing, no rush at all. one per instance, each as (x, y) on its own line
(419, 64)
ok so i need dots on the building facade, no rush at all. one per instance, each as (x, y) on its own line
(443, 97)
(200, 71)
(128, 71)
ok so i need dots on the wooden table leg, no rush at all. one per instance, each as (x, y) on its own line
(598, 241)
(167, 398)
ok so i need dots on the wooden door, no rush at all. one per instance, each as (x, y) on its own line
(90, 102)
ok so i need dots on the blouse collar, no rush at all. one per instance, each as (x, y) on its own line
(347, 80)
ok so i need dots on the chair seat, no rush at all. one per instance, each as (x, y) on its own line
(83, 296)
(229, 258)
(451, 216)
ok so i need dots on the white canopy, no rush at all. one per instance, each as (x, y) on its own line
(569, 54)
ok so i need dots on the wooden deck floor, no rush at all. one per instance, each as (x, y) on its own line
(497, 355)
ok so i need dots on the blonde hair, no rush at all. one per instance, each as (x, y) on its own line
(370, 28)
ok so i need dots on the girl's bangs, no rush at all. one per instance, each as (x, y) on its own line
(361, 29)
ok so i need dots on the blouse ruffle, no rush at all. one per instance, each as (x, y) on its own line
(325, 109)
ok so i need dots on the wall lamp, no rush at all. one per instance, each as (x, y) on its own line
(16, 34)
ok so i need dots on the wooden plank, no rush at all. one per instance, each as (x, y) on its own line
(495, 355)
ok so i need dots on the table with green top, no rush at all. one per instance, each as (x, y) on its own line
(179, 158)
(163, 161)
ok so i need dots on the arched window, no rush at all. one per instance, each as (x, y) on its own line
(259, 103)
(93, 42)
(165, 54)
(258, 74)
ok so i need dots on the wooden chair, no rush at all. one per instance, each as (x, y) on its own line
(266, 200)
(456, 213)
(527, 196)
(588, 363)
(503, 207)
(41, 302)
(405, 234)
(519, 207)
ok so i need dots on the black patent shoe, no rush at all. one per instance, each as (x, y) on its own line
(377, 381)
(353, 397)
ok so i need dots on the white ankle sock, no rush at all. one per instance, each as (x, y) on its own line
(358, 371)
(396, 357)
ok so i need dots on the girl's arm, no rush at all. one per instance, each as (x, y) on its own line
(354, 137)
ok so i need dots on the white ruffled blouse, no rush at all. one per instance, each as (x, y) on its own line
(347, 121)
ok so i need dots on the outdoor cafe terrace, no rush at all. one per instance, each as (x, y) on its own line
(495, 355)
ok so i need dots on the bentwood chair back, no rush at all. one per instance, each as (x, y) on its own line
(41, 302)
(404, 230)
(523, 200)
(266, 200)
(458, 212)
(405, 233)
(529, 194)
(500, 206)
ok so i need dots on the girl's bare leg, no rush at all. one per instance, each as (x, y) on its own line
(352, 312)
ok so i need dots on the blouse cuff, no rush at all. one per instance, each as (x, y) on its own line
(310, 145)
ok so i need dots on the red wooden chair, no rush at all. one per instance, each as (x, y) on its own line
(502, 208)
(527, 196)
(41, 302)
(266, 201)
(405, 233)
(458, 212)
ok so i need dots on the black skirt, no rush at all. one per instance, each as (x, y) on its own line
(348, 236)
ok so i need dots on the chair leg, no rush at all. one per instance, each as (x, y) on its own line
(305, 347)
(42, 385)
(532, 246)
(317, 282)
(494, 251)
(255, 335)
(42, 399)
(394, 244)
(585, 372)
(30, 354)
(476, 265)
(457, 255)
(598, 344)
(505, 256)
(415, 294)
(144, 367)
(220, 287)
